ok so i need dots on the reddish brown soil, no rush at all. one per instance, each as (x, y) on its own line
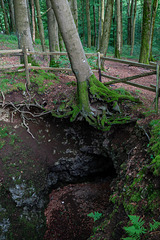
(59, 212)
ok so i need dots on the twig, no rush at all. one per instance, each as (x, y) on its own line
(24, 123)
(3, 103)
(145, 132)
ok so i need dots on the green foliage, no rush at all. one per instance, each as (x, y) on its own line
(154, 146)
(136, 230)
(39, 78)
(3, 134)
(96, 215)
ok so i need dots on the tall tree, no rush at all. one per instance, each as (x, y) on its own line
(154, 11)
(86, 80)
(5, 18)
(33, 21)
(40, 25)
(119, 29)
(88, 23)
(12, 16)
(22, 25)
(107, 27)
(133, 27)
(73, 6)
(52, 32)
(145, 39)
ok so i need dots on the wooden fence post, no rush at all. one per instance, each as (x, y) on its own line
(157, 88)
(99, 66)
(26, 66)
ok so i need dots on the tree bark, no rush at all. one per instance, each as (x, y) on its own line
(73, 7)
(22, 25)
(133, 28)
(144, 53)
(40, 25)
(5, 18)
(12, 15)
(118, 32)
(154, 11)
(107, 27)
(74, 48)
(52, 33)
(87, 83)
(88, 23)
(33, 21)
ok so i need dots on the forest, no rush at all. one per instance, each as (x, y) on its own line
(79, 154)
(102, 25)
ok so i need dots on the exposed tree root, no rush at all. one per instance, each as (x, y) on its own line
(97, 104)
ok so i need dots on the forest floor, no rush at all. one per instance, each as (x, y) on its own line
(64, 87)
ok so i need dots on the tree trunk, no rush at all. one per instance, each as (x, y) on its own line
(52, 33)
(118, 32)
(5, 18)
(12, 15)
(40, 25)
(154, 11)
(88, 23)
(102, 16)
(33, 21)
(133, 27)
(87, 83)
(107, 27)
(73, 7)
(74, 48)
(144, 53)
(22, 25)
(1, 26)
(95, 31)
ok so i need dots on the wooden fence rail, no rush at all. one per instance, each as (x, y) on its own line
(152, 88)
(27, 66)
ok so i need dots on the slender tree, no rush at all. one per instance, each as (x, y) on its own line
(133, 27)
(12, 15)
(154, 11)
(118, 32)
(40, 25)
(52, 33)
(107, 27)
(33, 21)
(88, 23)
(145, 39)
(5, 17)
(22, 25)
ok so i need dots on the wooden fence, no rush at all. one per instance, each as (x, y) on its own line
(26, 67)
(155, 70)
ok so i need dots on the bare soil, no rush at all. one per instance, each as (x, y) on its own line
(63, 200)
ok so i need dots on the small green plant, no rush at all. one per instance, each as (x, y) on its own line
(136, 230)
(96, 215)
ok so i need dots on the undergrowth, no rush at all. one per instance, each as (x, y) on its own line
(137, 229)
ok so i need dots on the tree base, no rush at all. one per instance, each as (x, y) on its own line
(98, 105)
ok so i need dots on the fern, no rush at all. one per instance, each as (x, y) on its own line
(154, 226)
(136, 230)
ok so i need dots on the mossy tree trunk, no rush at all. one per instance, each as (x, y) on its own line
(145, 39)
(52, 33)
(154, 11)
(89, 89)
